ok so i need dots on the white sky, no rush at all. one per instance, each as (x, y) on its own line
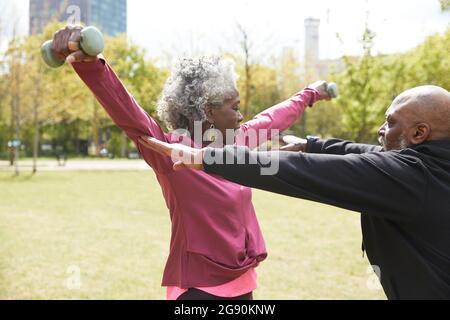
(175, 27)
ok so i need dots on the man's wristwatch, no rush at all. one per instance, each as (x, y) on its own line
(309, 141)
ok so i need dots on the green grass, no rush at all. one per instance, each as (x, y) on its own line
(113, 228)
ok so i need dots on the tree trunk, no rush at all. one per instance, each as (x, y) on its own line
(11, 132)
(245, 45)
(36, 119)
(96, 127)
(12, 121)
(15, 105)
(248, 80)
(124, 145)
(36, 144)
(15, 101)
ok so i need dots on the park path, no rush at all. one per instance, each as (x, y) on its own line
(79, 165)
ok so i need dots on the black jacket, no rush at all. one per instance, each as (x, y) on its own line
(404, 198)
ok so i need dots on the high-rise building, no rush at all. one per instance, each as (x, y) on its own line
(110, 16)
(314, 66)
(312, 42)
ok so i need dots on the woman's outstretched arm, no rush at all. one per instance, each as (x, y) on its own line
(269, 123)
(111, 93)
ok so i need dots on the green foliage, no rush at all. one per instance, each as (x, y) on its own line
(263, 87)
(265, 91)
(140, 75)
(288, 73)
(445, 5)
(370, 83)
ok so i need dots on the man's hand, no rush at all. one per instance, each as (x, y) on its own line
(321, 87)
(66, 45)
(294, 144)
(183, 156)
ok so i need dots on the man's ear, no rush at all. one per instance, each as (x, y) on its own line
(421, 133)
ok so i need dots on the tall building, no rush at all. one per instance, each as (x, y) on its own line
(312, 42)
(110, 16)
(314, 66)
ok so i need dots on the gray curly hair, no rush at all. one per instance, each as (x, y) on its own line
(194, 84)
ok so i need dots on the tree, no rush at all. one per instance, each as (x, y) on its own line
(3, 106)
(51, 96)
(13, 59)
(360, 87)
(445, 5)
(370, 83)
(248, 88)
(34, 85)
(288, 73)
(265, 90)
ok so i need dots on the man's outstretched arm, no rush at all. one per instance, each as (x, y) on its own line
(373, 183)
(327, 146)
(390, 185)
(338, 146)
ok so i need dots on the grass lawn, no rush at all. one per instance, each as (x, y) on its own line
(105, 235)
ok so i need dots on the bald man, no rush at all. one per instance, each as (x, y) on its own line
(402, 188)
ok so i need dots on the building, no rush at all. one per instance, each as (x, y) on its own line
(312, 42)
(110, 16)
(314, 66)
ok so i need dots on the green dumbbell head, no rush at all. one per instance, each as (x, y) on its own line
(49, 58)
(91, 43)
(333, 90)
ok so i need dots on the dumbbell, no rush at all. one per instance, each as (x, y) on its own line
(333, 90)
(91, 44)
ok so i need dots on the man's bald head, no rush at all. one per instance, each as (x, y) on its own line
(428, 104)
(415, 116)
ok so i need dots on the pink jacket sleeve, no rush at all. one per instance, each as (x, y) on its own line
(279, 117)
(123, 109)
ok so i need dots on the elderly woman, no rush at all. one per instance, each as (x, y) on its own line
(216, 242)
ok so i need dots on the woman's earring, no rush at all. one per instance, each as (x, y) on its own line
(210, 134)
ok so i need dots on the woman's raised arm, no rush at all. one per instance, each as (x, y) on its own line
(277, 119)
(111, 93)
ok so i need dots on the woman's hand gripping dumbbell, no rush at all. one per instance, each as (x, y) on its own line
(73, 44)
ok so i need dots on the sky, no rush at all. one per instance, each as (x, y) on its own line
(178, 27)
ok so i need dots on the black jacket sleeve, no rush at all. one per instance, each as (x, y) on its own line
(384, 184)
(338, 146)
